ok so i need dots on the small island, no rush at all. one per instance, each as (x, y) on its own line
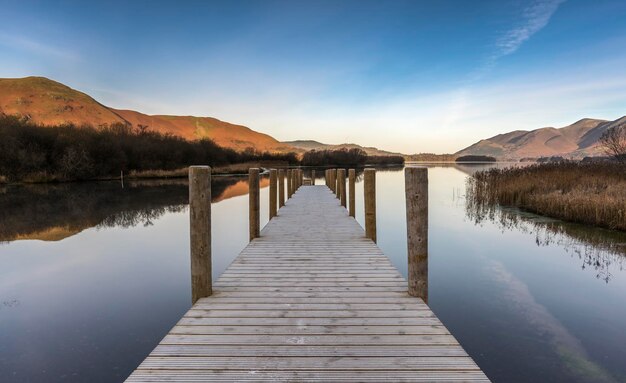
(475, 158)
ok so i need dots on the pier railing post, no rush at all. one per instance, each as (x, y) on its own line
(416, 189)
(301, 179)
(281, 188)
(352, 184)
(294, 181)
(333, 180)
(337, 182)
(369, 190)
(273, 192)
(254, 216)
(289, 185)
(342, 186)
(312, 177)
(200, 231)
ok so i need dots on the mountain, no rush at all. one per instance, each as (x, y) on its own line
(577, 140)
(48, 102)
(307, 145)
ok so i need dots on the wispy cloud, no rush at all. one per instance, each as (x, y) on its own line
(534, 18)
(36, 47)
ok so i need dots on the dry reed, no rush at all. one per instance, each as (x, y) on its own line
(593, 193)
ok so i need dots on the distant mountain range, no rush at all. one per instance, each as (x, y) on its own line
(576, 141)
(307, 145)
(48, 102)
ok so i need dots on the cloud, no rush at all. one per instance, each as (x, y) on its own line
(36, 47)
(534, 18)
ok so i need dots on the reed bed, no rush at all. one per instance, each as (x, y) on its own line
(590, 193)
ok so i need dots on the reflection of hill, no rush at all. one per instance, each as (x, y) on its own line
(54, 212)
(239, 188)
(600, 249)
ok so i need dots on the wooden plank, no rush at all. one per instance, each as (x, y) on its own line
(307, 363)
(310, 330)
(311, 299)
(306, 376)
(308, 350)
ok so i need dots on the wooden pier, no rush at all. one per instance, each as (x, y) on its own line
(310, 299)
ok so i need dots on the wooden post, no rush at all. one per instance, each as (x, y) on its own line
(254, 219)
(301, 177)
(313, 177)
(281, 188)
(273, 192)
(294, 181)
(333, 180)
(289, 175)
(342, 186)
(200, 231)
(416, 189)
(337, 182)
(369, 188)
(352, 184)
(326, 177)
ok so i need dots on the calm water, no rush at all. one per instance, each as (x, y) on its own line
(92, 276)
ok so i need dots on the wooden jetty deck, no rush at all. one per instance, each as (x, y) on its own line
(311, 299)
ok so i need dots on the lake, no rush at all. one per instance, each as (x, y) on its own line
(93, 275)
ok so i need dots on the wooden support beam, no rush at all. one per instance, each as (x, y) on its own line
(369, 191)
(352, 186)
(341, 177)
(281, 188)
(289, 183)
(255, 203)
(273, 192)
(200, 231)
(416, 190)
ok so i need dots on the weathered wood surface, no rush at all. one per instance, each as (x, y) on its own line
(311, 299)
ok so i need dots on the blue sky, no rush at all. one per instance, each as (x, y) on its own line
(411, 76)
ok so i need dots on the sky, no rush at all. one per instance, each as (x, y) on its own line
(407, 76)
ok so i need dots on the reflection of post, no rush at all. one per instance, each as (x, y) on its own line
(200, 231)
(351, 200)
(273, 192)
(369, 189)
(341, 176)
(281, 188)
(416, 189)
(253, 182)
(312, 177)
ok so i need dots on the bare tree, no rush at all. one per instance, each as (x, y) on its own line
(613, 141)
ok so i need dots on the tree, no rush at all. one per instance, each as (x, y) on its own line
(613, 141)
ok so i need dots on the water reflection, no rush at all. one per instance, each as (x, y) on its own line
(601, 250)
(55, 212)
(91, 306)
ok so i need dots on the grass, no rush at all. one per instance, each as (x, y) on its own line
(593, 193)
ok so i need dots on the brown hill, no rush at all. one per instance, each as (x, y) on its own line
(577, 140)
(48, 102)
(307, 145)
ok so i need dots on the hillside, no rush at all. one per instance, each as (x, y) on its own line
(48, 102)
(577, 140)
(315, 145)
